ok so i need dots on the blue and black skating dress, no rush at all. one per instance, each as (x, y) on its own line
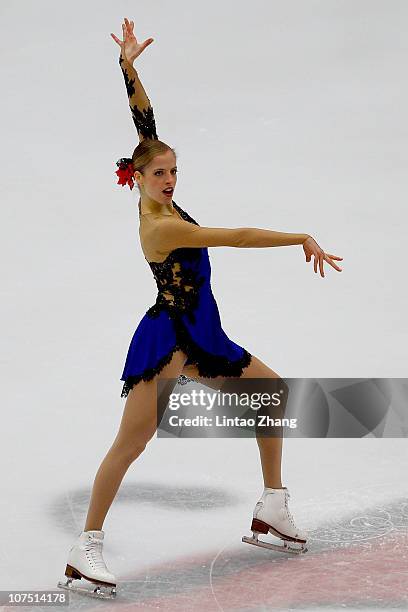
(185, 315)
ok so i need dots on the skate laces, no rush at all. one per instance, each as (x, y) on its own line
(288, 514)
(94, 547)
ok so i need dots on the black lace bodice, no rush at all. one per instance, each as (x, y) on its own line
(178, 279)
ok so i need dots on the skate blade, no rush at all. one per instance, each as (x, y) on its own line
(284, 548)
(97, 592)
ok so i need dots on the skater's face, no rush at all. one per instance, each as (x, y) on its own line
(159, 175)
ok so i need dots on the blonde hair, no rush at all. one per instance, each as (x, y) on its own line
(144, 153)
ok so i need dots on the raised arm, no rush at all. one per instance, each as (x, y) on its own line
(169, 234)
(139, 103)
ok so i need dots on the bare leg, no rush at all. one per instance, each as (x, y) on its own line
(137, 427)
(270, 449)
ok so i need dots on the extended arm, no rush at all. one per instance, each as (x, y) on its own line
(139, 103)
(169, 234)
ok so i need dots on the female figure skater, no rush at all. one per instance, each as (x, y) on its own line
(181, 334)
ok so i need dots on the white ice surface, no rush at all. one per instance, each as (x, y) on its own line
(43, 510)
(285, 115)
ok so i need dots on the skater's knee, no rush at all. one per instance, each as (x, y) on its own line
(276, 392)
(129, 447)
(131, 439)
(128, 454)
(276, 387)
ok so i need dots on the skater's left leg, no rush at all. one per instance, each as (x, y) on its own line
(270, 449)
(271, 513)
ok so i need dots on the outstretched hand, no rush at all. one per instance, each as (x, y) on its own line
(130, 48)
(311, 247)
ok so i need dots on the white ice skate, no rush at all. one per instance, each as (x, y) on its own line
(271, 514)
(85, 561)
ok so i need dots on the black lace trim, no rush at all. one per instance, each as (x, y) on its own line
(128, 82)
(143, 119)
(208, 365)
(178, 286)
(148, 374)
(144, 122)
(183, 214)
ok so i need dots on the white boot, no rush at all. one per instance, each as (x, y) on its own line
(272, 514)
(85, 560)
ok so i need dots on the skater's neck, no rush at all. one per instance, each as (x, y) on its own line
(149, 206)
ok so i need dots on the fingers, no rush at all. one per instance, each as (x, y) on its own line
(129, 27)
(329, 259)
(116, 40)
(319, 258)
(333, 265)
(334, 257)
(321, 266)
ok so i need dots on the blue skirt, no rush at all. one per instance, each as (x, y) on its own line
(185, 316)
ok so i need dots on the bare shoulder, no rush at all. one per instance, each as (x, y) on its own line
(158, 224)
(153, 230)
(153, 223)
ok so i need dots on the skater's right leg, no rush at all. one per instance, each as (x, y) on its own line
(137, 427)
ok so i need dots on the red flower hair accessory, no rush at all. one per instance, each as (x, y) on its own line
(125, 172)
